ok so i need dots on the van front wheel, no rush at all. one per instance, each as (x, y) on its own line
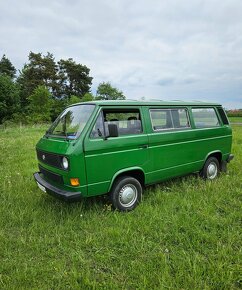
(210, 169)
(126, 193)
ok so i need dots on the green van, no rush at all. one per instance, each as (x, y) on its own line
(118, 147)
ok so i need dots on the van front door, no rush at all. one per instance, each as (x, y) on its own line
(105, 157)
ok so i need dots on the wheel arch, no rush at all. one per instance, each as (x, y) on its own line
(217, 154)
(135, 172)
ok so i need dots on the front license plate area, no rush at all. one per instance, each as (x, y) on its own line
(41, 187)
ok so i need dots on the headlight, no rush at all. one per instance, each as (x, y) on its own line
(65, 163)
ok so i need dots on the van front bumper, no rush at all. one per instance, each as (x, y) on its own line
(55, 191)
(231, 157)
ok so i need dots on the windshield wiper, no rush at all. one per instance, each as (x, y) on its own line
(66, 136)
(63, 133)
(47, 133)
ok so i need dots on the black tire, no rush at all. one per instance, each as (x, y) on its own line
(126, 193)
(211, 169)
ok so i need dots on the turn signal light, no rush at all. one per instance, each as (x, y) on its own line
(75, 181)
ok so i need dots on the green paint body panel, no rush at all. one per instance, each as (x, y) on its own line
(158, 155)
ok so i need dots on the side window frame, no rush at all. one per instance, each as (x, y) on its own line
(186, 109)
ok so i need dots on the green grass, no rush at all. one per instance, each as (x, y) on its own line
(185, 235)
(235, 119)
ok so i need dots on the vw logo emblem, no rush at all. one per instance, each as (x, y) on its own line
(43, 156)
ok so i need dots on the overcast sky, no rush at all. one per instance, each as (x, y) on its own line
(176, 49)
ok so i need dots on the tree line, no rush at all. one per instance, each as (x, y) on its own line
(44, 87)
(234, 113)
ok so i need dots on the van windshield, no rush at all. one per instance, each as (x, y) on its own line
(71, 121)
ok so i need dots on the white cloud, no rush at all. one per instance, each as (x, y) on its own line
(158, 49)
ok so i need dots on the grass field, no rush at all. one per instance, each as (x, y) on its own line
(235, 119)
(185, 235)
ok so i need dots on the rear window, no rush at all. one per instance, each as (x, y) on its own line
(223, 116)
(205, 118)
(168, 119)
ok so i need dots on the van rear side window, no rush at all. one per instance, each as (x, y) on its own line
(168, 119)
(223, 116)
(205, 118)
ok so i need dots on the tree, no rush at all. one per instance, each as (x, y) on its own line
(6, 67)
(40, 71)
(42, 78)
(106, 92)
(74, 78)
(62, 79)
(40, 104)
(73, 100)
(88, 97)
(9, 97)
(58, 105)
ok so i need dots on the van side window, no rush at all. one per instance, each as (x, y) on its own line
(205, 118)
(128, 121)
(98, 129)
(168, 119)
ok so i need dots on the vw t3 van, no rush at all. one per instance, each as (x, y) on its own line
(119, 147)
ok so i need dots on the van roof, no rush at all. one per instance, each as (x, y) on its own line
(149, 103)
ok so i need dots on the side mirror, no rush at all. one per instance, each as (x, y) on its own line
(113, 130)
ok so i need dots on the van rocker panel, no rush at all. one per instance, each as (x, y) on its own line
(57, 192)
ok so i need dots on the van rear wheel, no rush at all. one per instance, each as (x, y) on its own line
(211, 169)
(126, 193)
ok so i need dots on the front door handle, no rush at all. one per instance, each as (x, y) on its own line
(144, 146)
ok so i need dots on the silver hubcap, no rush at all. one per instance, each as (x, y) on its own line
(128, 195)
(212, 170)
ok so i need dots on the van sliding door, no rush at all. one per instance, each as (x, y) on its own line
(171, 143)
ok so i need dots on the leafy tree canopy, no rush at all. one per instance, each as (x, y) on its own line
(73, 100)
(45, 87)
(74, 78)
(40, 71)
(40, 104)
(88, 97)
(9, 97)
(6, 67)
(106, 92)
(62, 79)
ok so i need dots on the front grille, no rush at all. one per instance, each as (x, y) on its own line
(50, 158)
(51, 175)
